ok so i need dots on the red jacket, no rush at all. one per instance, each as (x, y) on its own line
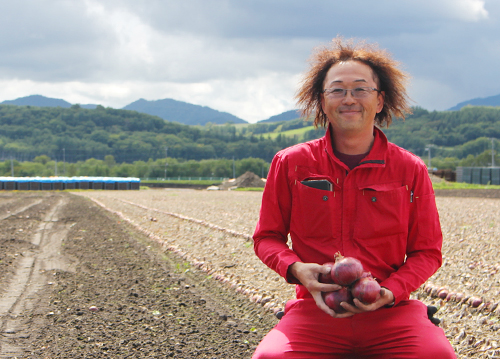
(382, 212)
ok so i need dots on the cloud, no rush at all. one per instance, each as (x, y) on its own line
(243, 57)
(468, 10)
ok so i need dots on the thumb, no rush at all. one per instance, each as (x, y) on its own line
(326, 269)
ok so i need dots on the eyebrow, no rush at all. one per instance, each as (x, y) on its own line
(340, 81)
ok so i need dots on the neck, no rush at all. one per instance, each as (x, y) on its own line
(353, 144)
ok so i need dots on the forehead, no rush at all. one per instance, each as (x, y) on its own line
(350, 72)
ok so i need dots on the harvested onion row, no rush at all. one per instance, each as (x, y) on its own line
(194, 220)
(267, 300)
(473, 301)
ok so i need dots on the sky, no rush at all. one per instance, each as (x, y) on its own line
(242, 57)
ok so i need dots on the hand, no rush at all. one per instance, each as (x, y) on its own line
(386, 297)
(308, 274)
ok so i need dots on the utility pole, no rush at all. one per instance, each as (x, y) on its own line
(428, 149)
(64, 161)
(166, 161)
(492, 153)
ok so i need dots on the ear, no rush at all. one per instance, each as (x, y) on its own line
(381, 99)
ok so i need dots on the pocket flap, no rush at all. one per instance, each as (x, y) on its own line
(382, 187)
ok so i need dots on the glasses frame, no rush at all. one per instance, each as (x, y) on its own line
(329, 91)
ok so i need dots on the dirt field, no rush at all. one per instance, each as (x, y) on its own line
(171, 273)
(77, 282)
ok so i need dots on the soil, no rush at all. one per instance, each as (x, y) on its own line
(477, 193)
(78, 282)
(248, 179)
(172, 273)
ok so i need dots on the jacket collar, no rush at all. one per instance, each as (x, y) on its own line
(377, 154)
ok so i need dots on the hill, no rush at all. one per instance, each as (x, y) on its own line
(42, 101)
(167, 109)
(39, 101)
(285, 116)
(79, 134)
(493, 101)
(76, 134)
(183, 112)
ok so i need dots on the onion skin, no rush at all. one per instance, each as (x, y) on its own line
(333, 299)
(428, 288)
(367, 290)
(346, 271)
(366, 275)
(475, 302)
(459, 297)
(443, 293)
(451, 296)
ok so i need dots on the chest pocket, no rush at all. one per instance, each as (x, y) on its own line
(382, 210)
(312, 212)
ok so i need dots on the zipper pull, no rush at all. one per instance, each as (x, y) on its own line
(411, 196)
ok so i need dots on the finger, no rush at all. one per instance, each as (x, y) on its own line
(326, 309)
(321, 304)
(323, 287)
(326, 269)
(351, 308)
(367, 307)
(344, 315)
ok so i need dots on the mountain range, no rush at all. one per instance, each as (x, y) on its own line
(183, 112)
(485, 101)
(190, 114)
(42, 101)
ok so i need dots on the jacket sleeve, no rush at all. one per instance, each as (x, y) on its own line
(271, 234)
(424, 242)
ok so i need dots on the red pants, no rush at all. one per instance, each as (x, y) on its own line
(403, 331)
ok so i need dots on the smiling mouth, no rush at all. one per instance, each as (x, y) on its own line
(349, 110)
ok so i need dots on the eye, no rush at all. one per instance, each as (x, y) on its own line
(336, 91)
(361, 91)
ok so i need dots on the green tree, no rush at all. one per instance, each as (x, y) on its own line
(43, 159)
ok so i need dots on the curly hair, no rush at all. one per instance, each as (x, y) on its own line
(389, 77)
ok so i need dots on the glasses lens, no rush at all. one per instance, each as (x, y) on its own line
(336, 92)
(361, 92)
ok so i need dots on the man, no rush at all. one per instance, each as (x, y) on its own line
(375, 203)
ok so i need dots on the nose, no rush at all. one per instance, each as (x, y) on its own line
(348, 99)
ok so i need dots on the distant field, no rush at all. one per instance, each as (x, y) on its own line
(461, 185)
(299, 132)
(209, 182)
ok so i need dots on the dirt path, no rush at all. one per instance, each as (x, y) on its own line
(20, 293)
(79, 283)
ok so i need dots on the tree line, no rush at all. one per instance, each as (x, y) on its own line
(82, 139)
(76, 134)
(43, 166)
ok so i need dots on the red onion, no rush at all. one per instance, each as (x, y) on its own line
(346, 270)
(367, 290)
(333, 299)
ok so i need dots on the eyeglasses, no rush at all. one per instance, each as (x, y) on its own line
(358, 92)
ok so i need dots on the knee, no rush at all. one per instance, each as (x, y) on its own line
(441, 350)
(264, 355)
(267, 353)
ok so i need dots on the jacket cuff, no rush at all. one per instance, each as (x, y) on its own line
(288, 258)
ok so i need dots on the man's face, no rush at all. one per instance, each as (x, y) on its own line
(349, 115)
